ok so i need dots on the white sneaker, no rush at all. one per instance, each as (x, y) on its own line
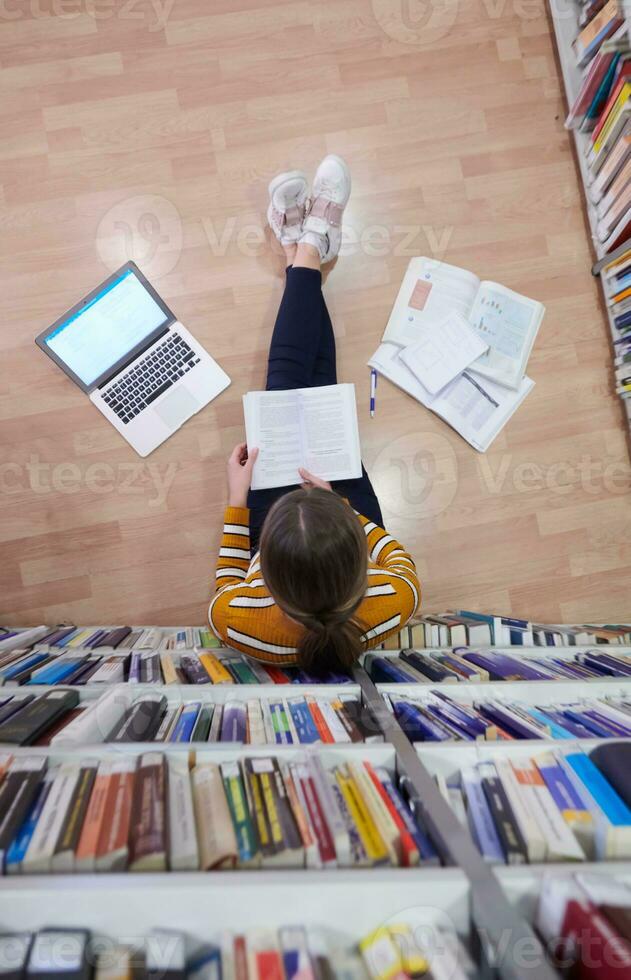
(286, 211)
(331, 189)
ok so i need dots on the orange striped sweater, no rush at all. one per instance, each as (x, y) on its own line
(243, 614)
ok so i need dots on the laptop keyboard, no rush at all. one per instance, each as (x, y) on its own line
(150, 377)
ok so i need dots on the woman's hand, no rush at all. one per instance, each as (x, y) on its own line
(311, 481)
(240, 464)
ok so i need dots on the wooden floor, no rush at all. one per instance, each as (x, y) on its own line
(150, 131)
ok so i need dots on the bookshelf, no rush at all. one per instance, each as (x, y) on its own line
(490, 907)
(564, 18)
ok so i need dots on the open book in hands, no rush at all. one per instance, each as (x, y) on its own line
(312, 428)
(506, 321)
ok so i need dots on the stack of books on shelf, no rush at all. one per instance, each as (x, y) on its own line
(78, 656)
(555, 806)
(594, 49)
(159, 812)
(474, 666)
(292, 952)
(118, 715)
(616, 278)
(438, 717)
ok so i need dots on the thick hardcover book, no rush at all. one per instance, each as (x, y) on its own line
(185, 724)
(64, 856)
(286, 844)
(148, 832)
(480, 818)
(249, 854)
(570, 804)
(612, 816)
(332, 814)
(12, 706)
(234, 722)
(429, 666)
(511, 839)
(216, 837)
(193, 669)
(202, 724)
(20, 843)
(353, 732)
(38, 857)
(17, 794)
(85, 854)
(364, 719)
(183, 850)
(602, 953)
(501, 667)
(303, 721)
(142, 720)
(150, 671)
(530, 831)
(112, 850)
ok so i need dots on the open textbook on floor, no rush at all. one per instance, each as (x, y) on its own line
(475, 407)
(313, 428)
(506, 321)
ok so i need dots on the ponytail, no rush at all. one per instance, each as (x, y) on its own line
(330, 642)
(314, 561)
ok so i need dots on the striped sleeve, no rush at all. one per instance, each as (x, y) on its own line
(234, 554)
(396, 563)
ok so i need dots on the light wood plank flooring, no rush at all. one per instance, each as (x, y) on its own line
(150, 130)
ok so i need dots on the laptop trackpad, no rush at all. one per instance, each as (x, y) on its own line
(177, 407)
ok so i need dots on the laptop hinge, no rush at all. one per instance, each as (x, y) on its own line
(135, 355)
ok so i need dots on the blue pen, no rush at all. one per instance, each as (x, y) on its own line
(373, 391)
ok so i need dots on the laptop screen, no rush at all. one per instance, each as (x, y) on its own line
(114, 321)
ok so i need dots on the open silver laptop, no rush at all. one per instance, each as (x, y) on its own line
(141, 368)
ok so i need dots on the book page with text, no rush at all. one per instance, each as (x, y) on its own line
(429, 292)
(329, 432)
(272, 425)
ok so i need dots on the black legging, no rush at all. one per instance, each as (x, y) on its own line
(302, 355)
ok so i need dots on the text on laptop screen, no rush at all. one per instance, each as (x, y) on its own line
(112, 324)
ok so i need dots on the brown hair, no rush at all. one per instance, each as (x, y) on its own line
(314, 559)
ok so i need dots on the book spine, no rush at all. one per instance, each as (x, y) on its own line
(480, 819)
(332, 814)
(147, 840)
(63, 858)
(183, 851)
(38, 858)
(513, 844)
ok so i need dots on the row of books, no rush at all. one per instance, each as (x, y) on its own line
(602, 109)
(441, 718)
(556, 806)
(57, 718)
(293, 952)
(584, 921)
(37, 666)
(616, 278)
(463, 664)
(150, 812)
(448, 629)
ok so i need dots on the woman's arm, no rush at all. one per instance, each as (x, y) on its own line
(234, 552)
(397, 563)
